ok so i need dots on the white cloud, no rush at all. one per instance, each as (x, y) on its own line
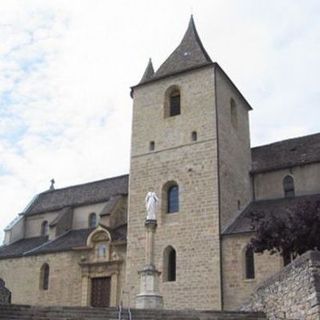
(66, 68)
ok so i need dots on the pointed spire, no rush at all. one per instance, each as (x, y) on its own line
(148, 73)
(189, 54)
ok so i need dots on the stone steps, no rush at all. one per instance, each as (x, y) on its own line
(22, 312)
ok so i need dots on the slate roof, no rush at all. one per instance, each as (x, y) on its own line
(287, 153)
(19, 247)
(243, 222)
(149, 72)
(110, 205)
(69, 240)
(190, 54)
(119, 233)
(61, 213)
(78, 195)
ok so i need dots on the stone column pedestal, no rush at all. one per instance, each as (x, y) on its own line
(149, 296)
(151, 226)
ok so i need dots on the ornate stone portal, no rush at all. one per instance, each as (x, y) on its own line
(149, 296)
(100, 268)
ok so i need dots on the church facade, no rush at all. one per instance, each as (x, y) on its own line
(85, 244)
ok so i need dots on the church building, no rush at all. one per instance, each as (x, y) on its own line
(86, 244)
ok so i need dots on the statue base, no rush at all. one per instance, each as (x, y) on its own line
(150, 301)
(151, 224)
(149, 296)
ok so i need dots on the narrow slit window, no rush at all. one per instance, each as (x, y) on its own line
(92, 220)
(172, 265)
(249, 264)
(194, 136)
(174, 103)
(44, 228)
(151, 146)
(173, 199)
(233, 113)
(169, 264)
(44, 277)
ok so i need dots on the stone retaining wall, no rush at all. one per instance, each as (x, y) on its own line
(293, 293)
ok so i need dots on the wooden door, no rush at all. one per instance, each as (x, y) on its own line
(100, 292)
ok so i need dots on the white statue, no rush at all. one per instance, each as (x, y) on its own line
(151, 204)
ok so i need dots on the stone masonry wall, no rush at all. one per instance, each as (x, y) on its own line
(234, 151)
(194, 230)
(293, 293)
(33, 223)
(15, 233)
(268, 185)
(236, 288)
(22, 277)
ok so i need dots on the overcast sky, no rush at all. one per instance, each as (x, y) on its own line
(66, 68)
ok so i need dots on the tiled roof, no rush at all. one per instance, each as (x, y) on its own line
(287, 153)
(243, 222)
(82, 194)
(190, 54)
(19, 247)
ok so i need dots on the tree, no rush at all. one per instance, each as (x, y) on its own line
(290, 232)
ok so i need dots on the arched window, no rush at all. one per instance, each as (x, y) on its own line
(44, 228)
(249, 263)
(169, 268)
(173, 199)
(92, 220)
(288, 186)
(44, 277)
(233, 113)
(172, 102)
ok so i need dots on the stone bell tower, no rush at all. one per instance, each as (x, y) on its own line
(179, 152)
